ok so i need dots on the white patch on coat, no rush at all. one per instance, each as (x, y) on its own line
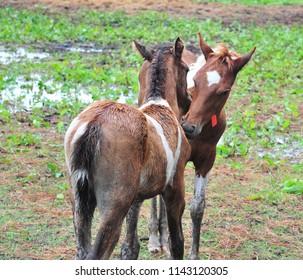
(69, 146)
(193, 69)
(167, 149)
(70, 129)
(200, 185)
(81, 174)
(158, 101)
(80, 131)
(177, 155)
(213, 77)
(171, 159)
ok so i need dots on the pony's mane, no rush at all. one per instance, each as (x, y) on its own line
(222, 53)
(158, 73)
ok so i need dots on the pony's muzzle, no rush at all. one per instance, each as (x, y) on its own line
(189, 128)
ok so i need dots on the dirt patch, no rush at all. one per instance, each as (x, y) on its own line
(228, 13)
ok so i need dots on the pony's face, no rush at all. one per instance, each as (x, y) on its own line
(211, 87)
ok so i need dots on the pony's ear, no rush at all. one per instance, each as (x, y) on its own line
(179, 46)
(143, 51)
(240, 62)
(206, 49)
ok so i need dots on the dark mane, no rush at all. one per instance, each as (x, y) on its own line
(158, 73)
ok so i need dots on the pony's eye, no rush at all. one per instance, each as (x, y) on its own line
(224, 93)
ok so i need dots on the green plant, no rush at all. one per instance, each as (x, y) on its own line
(293, 186)
(54, 169)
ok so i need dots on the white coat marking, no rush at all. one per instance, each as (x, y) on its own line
(177, 155)
(80, 131)
(213, 77)
(158, 101)
(81, 174)
(200, 185)
(171, 159)
(168, 151)
(71, 127)
(193, 69)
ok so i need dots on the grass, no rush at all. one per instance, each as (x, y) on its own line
(254, 197)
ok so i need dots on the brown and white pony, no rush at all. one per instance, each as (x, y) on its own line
(209, 80)
(118, 155)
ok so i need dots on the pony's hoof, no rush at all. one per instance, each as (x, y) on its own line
(194, 257)
(154, 249)
(165, 250)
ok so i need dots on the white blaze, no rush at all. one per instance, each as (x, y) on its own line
(213, 77)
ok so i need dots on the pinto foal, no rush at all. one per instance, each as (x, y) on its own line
(209, 80)
(117, 156)
(205, 122)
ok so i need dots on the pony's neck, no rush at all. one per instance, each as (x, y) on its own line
(158, 77)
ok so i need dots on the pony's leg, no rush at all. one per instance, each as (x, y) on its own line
(114, 196)
(82, 223)
(131, 245)
(196, 211)
(154, 245)
(111, 220)
(197, 205)
(163, 228)
(174, 202)
(107, 237)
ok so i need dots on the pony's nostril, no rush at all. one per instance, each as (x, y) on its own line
(191, 128)
(188, 128)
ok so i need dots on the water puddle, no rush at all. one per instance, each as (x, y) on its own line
(25, 93)
(284, 148)
(29, 93)
(83, 48)
(19, 55)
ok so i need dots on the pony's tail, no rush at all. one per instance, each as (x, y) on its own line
(85, 151)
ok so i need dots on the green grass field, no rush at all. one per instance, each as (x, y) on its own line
(254, 197)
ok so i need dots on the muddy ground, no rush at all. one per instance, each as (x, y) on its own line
(228, 13)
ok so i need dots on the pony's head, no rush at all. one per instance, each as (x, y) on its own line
(164, 73)
(212, 84)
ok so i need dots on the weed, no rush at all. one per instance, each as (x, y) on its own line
(293, 186)
(23, 139)
(54, 169)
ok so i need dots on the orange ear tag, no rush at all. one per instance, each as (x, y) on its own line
(214, 120)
